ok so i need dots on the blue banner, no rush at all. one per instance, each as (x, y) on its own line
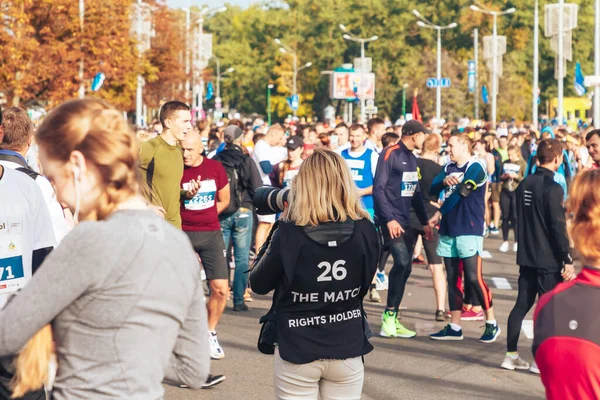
(471, 76)
(210, 91)
(98, 81)
(484, 95)
(579, 79)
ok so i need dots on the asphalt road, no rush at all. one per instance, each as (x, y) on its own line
(417, 368)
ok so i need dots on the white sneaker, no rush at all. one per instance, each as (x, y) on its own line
(381, 281)
(514, 363)
(374, 296)
(214, 348)
(534, 368)
(515, 247)
(504, 247)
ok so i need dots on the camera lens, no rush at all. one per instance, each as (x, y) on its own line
(270, 200)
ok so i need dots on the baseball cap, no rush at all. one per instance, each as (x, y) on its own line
(413, 127)
(294, 142)
(233, 131)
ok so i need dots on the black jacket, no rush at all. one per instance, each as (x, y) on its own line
(252, 181)
(542, 228)
(320, 276)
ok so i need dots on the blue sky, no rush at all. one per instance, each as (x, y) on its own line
(210, 3)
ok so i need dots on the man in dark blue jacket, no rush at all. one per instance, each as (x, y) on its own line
(395, 189)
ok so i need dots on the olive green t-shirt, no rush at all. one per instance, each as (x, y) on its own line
(166, 177)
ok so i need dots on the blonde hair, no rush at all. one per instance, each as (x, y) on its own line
(99, 131)
(32, 364)
(583, 206)
(323, 191)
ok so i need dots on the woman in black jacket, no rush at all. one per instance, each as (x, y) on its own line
(320, 261)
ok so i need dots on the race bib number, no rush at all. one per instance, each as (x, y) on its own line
(451, 189)
(289, 176)
(12, 274)
(410, 180)
(356, 168)
(204, 199)
(511, 168)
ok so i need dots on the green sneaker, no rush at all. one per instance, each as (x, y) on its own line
(403, 332)
(388, 324)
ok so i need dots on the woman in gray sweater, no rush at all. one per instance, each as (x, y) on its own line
(123, 290)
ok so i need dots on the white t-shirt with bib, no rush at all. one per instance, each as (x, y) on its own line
(25, 226)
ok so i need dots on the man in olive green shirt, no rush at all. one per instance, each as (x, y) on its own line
(161, 162)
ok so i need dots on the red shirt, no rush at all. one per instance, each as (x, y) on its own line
(567, 338)
(200, 213)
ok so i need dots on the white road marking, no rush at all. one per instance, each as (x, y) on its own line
(527, 328)
(501, 283)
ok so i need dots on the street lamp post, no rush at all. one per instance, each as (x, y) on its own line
(269, 87)
(142, 31)
(425, 23)
(196, 101)
(81, 66)
(287, 50)
(197, 89)
(494, 14)
(220, 75)
(361, 90)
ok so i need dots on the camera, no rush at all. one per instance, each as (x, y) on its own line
(270, 200)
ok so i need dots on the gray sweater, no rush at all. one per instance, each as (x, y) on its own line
(127, 309)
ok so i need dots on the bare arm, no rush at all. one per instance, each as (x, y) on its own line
(223, 198)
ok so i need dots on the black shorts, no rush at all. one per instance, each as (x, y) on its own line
(211, 249)
(430, 246)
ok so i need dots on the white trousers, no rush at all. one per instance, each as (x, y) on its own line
(321, 379)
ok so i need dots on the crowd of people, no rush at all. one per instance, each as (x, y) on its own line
(156, 204)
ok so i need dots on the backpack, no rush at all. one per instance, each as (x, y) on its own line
(17, 159)
(234, 167)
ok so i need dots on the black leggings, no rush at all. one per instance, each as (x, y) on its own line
(401, 250)
(508, 207)
(532, 282)
(472, 268)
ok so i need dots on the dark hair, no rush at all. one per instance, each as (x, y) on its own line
(169, 108)
(588, 137)
(257, 137)
(388, 138)
(548, 150)
(373, 122)
(355, 127)
(237, 123)
(18, 129)
(341, 125)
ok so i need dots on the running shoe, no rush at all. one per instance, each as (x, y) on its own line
(403, 332)
(213, 380)
(388, 324)
(440, 315)
(419, 260)
(374, 296)
(470, 315)
(504, 247)
(381, 281)
(447, 334)
(240, 307)
(534, 368)
(490, 334)
(214, 349)
(514, 363)
(515, 247)
(494, 230)
(247, 297)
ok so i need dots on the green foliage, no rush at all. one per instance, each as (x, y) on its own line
(404, 52)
